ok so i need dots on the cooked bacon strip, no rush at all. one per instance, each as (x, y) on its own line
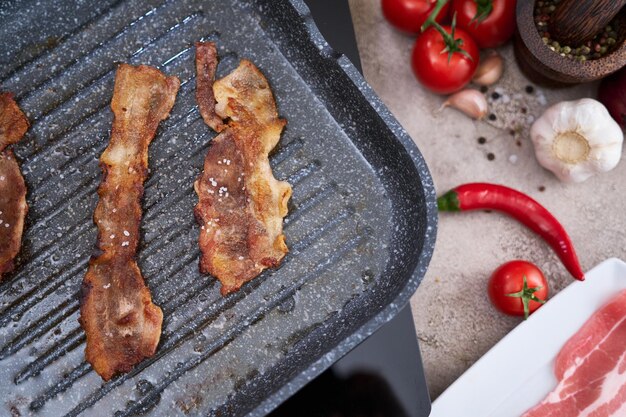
(122, 324)
(13, 123)
(13, 207)
(206, 64)
(13, 210)
(241, 205)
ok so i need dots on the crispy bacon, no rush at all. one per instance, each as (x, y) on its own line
(206, 64)
(122, 324)
(13, 123)
(13, 207)
(241, 205)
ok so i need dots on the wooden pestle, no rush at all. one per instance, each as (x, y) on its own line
(574, 22)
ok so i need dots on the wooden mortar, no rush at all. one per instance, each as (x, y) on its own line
(546, 67)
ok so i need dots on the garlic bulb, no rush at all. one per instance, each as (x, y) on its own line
(576, 139)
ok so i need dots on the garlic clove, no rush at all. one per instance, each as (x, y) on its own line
(605, 158)
(489, 70)
(471, 102)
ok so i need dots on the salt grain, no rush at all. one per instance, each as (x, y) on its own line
(125, 243)
(126, 233)
(106, 286)
(112, 236)
(2, 177)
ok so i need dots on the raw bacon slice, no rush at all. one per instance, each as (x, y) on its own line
(590, 335)
(240, 204)
(13, 207)
(591, 369)
(122, 324)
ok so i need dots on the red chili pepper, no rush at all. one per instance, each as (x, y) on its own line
(482, 196)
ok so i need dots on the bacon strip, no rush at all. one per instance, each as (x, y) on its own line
(122, 324)
(240, 204)
(206, 64)
(591, 368)
(13, 207)
(13, 123)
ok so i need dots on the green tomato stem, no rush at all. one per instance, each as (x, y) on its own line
(433, 15)
(452, 45)
(527, 295)
(483, 10)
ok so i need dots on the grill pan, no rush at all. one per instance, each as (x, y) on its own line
(361, 226)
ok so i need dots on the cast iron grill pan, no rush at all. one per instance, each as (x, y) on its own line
(361, 224)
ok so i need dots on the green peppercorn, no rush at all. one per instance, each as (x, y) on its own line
(566, 49)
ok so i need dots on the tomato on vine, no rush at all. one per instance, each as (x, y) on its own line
(489, 22)
(410, 15)
(444, 58)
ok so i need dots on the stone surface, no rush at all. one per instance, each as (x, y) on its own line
(455, 323)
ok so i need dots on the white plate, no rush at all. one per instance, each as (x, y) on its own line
(517, 373)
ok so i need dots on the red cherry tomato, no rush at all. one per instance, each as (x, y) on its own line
(517, 288)
(444, 72)
(489, 22)
(410, 15)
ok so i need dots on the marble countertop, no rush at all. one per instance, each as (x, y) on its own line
(455, 322)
